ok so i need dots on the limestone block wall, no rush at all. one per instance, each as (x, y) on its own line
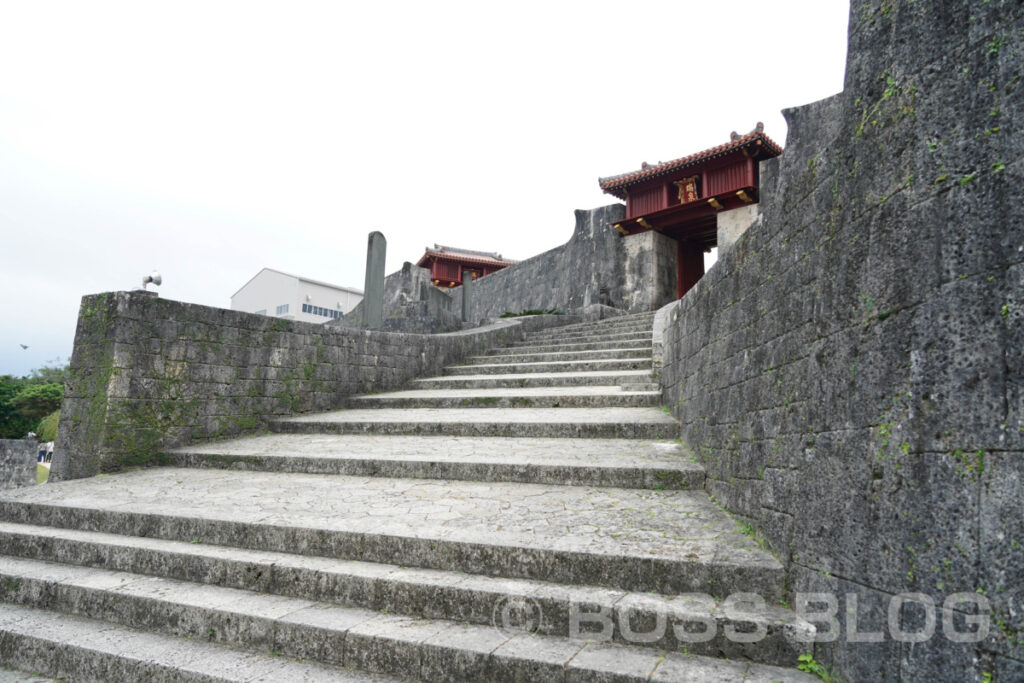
(851, 372)
(571, 277)
(651, 276)
(17, 463)
(733, 223)
(149, 374)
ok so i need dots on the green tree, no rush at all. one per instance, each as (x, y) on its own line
(47, 429)
(35, 401)
(12, 424)
(49, 374)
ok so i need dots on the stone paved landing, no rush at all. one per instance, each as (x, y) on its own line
(669, 541)
(594, 462)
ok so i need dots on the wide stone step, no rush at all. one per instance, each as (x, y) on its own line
(640, 387)
(591, 332)
(536, 379)
(306, 624)
(556, 337)
(613, 342)
(633, 319)
(569, 462)
(669, 542)
(627, 322)
(529, 347)
(584, 423)
(82, 649)
(524, 397)
(601, 354)
(558, 366)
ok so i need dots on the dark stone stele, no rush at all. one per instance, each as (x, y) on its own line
(373, 288)
(850, 372)
(17, 463)
(467, 296)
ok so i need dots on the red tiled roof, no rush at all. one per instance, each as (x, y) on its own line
(464, 256)
(616, 185)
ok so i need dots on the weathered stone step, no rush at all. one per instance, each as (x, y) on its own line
(583, 423)
(635, 319)
(558, 366)
(584, 335)
(664, 541)
(556, 337)
(632, 321)
(568, 462)
(601, 354)
(537, 379)
(644, 343)
(302, 621)
(618, 342)
(81, 649)
(640, 387)
(523, 397)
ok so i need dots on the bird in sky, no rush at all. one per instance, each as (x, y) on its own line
(23, 346)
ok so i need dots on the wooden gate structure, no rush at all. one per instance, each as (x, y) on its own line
(683, 198)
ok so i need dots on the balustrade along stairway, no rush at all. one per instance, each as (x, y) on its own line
(528, 516)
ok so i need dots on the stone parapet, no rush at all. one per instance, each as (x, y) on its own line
(596, 266)
(17, 463)
(149, 374)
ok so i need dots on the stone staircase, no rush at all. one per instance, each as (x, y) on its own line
(528, 516)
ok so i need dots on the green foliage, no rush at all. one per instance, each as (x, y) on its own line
(38, 400)
(904, 97)
(12, 424)
(996, 43)
(808, 664)
(23, 403)
(49, 374)
(748, 530)
(42, 474)
(47, 429)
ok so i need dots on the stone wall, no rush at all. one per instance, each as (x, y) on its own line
(851, 372)
(149, 374)
(733, 223)
(17, 463)
(632, 271)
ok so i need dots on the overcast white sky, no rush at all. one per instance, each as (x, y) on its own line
(210, 139)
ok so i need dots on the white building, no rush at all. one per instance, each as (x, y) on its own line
(281, 295)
